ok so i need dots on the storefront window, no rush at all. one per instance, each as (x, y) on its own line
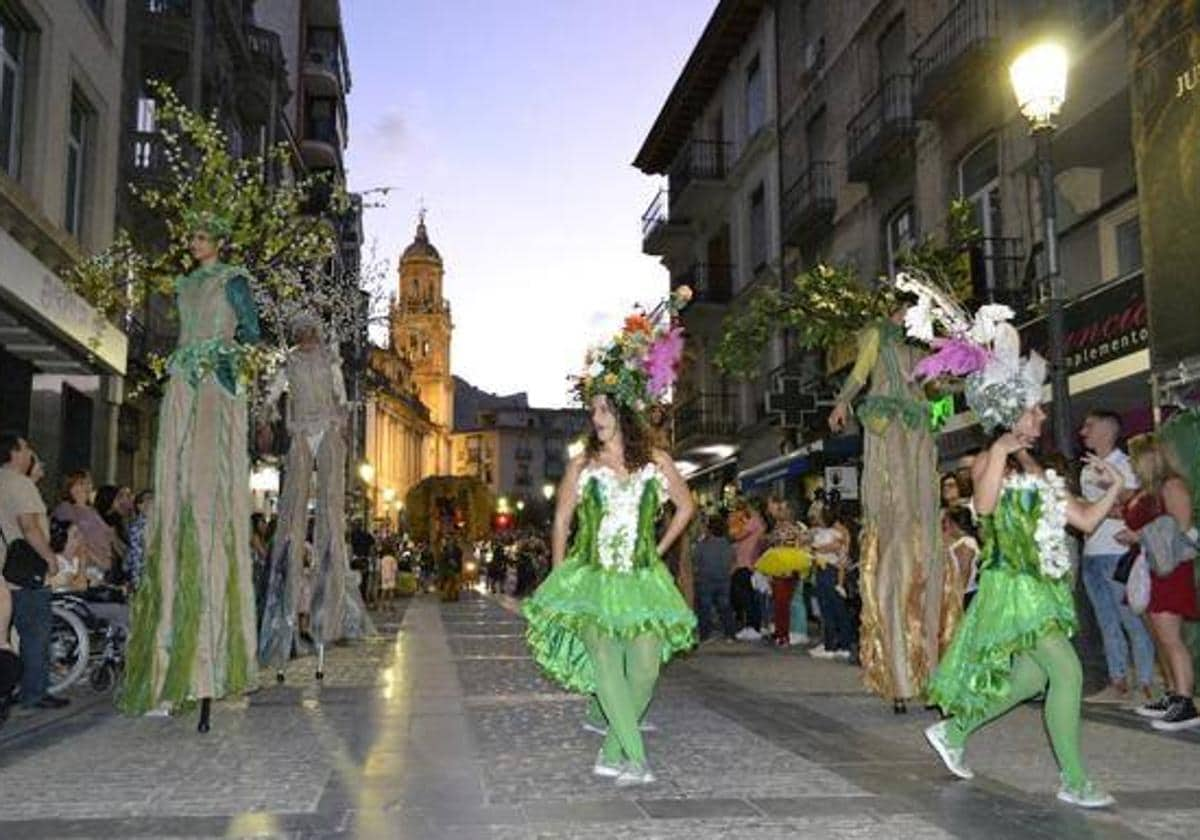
(10, 95)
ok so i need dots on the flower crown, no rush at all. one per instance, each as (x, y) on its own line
(206, 220)
(638, 366)
(983, 350)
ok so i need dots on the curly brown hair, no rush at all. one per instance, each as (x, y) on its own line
(635, 436)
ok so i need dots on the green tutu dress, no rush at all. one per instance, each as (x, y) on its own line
(1016, 605)
(611, 580)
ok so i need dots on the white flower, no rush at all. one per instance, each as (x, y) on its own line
(617, 535)
(918, 320)
(983, 330)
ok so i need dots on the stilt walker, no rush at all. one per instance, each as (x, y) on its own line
(609, 614)
(900, 556)
(192, 635)
(1013, 642)
(317, 422)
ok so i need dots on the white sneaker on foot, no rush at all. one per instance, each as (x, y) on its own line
(798, 639)
(749, 634)
(842, 654)
(821, 652)
(605, 770)
(950, 755)
(588, 726)
(1087, 796)
(634, 775)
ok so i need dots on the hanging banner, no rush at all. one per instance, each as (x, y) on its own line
(1165, 39)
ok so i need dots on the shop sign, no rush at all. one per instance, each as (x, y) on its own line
(1105, 325)
(45, 299)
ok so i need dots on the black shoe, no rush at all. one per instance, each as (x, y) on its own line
(1181, 715)
(50, 702)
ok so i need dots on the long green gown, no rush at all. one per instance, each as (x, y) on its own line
(1016, 606)
(611, 581)
(192, 630)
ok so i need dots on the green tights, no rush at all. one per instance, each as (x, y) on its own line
(626, 671)
(1053, 660)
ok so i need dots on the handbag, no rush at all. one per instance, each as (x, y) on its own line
(1125, 564)
(23, 566)
(1137, 589)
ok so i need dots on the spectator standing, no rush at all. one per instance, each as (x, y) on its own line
(713, 560)
(115, 505)
(962, 547)
(786, 564)
(1164, 505)
(748, 529)
(23, 517)
(135, 558)
(1101, 552)
(831, 546)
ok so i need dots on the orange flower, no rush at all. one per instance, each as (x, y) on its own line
(638, 323)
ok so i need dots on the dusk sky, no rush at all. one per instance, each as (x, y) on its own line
(516, 121)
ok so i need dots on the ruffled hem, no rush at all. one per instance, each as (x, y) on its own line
(784, 561)
(974, 673)
(578, 599)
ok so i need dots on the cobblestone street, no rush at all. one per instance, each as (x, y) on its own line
(442, 727)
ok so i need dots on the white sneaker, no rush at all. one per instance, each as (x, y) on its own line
(820, 652)
(1088, 796)
(749, 634)
(647, 726)
(594, 729)
(951, 756)
(634, 775)
(605, 770)
(817, 651)
(797, 639)
(842, 654)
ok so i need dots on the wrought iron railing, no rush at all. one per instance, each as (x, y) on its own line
(147, 153)
(181, 8)
(888, 111)
(709, 414)
(969, 25)
(700, 160)
(264, 45)
(811, 194)
(709, 282)
(656, 214)
(997, 271)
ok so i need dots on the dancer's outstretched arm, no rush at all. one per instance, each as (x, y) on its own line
(681, 497)
(564, 510)
(1087, 516)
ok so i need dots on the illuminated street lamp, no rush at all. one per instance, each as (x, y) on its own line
(1039, 80)
(389, 495)
(575, 448)
(520, 504)
(366, 472)
(548, 491)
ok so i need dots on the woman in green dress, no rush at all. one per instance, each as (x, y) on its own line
(1014, 641)
(609, 614)
(192, 632)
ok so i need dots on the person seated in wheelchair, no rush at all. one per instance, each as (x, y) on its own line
(77, 576)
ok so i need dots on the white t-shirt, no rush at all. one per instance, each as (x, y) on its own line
(19, 496)
(1103, 539)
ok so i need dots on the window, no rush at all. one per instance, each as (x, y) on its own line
(756, 97)
(758, 228)
(97, 7)
(10, 95)
(901, 236)
(1121, 242)
(979, 184)
(77, 128)
(1129, 246)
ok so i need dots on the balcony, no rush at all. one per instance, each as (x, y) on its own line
(809, 204)
(711, 283)
(662, 234)
(321, 147)
(697, 177)
(882, 129)
(961, 52)
(147, 155)
(261, 80)
(323, 71)
(166, 23)
(998, 273)
(706, 419)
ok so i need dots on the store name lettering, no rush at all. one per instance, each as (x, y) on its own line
(1118, 334)
(1186, 81)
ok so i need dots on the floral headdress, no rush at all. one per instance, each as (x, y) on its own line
(640, 364)
(211, 223)
(984, 350)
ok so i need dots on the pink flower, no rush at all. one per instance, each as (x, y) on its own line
(952, 357)
(662, 360)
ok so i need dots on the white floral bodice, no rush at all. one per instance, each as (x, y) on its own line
(621, 499)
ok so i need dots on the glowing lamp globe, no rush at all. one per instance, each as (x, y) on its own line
(1039, 79)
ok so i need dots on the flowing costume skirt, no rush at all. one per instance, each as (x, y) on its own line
(192, 625)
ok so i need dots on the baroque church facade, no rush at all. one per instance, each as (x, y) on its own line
(410, 407)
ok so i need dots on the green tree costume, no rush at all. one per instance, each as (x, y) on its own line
(1013, 639)
(192, 627)
(605, 620)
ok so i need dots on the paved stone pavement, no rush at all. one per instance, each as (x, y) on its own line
(443, 727)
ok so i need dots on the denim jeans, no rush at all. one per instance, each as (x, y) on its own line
(1107, 597)
(713, 595)
(836, 626)
(31, 618)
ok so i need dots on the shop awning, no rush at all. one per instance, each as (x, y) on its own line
(792, 464)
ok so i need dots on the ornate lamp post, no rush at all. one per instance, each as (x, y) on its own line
(1039, 79)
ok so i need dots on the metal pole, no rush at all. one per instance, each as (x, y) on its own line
(1061, 409)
